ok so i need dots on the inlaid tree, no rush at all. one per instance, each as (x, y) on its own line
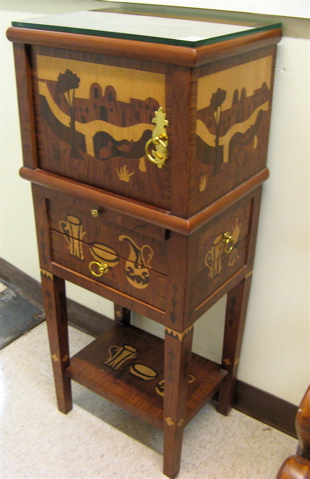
(216, 102)
(67, 83)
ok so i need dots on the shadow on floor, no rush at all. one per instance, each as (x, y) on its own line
(17, 315)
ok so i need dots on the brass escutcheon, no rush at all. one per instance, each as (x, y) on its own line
(229, 242)
(102, 268)
(159, 140)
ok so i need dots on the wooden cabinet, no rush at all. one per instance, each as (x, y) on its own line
(146, 157)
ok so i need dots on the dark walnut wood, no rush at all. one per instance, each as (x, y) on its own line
(302, 424)
(165, 242)
(298, 466)
(126, 366)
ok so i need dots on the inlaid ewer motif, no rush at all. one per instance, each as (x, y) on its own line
(138, 263)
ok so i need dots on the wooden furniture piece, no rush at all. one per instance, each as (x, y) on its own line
(298, 466)
(146, 156)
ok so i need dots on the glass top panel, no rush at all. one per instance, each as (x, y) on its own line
(171, 31)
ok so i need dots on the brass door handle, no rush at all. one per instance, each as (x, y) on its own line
(159, 140)
(102, 268)
(229, 242)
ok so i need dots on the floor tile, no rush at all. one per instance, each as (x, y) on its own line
(195, 465)
(239, 441)
(12, 467)
(98, 440)
(77, 445)
(120, 419)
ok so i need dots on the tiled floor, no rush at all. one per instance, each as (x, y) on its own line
(99, 440)
(17, 315)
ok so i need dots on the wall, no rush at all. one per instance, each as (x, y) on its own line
(275, 353)
(286, 8)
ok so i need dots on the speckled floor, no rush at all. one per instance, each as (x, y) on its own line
(99, 440)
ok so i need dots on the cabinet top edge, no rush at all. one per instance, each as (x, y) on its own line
(138, 210)
(148, 29)
(171, 54)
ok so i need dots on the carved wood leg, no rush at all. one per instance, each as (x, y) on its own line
(54, 296)
(178, 348)
(237, 302)
(122, 315)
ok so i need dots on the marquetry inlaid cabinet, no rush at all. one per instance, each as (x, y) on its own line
(145, 140)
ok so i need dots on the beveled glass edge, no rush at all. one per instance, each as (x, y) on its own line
(146, 38)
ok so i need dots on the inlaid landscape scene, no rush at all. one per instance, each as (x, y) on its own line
(96, 120)
(232, 126)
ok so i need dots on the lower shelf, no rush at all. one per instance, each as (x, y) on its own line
(126, 366)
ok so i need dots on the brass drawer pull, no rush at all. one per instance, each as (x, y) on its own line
(95, 213)
(229, 242)
(102, 268)
(159, 140)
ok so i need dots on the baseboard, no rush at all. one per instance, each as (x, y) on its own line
(80, 317)
(253, 402)
(266, 408)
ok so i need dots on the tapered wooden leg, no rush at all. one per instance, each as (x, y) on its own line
(178, 348)
(237, 303)
(54, 296)
(122, 315)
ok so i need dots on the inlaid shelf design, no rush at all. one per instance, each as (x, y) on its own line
(125, 365)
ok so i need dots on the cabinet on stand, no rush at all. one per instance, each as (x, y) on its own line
(145, 140)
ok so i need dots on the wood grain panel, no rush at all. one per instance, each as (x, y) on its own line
(189, 57)
(105, 214)
(94, 117)
(234, 100)
(126, 365)
(236, 223)
(135, 280)
(100, 233)
(25, 104)
(219, 272)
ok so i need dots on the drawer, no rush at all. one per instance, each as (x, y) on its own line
(128, 238)
(223, 233)
(132, 275)
(223, 249)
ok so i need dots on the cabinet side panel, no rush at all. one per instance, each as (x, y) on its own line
(232, 126)
(226, 247)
